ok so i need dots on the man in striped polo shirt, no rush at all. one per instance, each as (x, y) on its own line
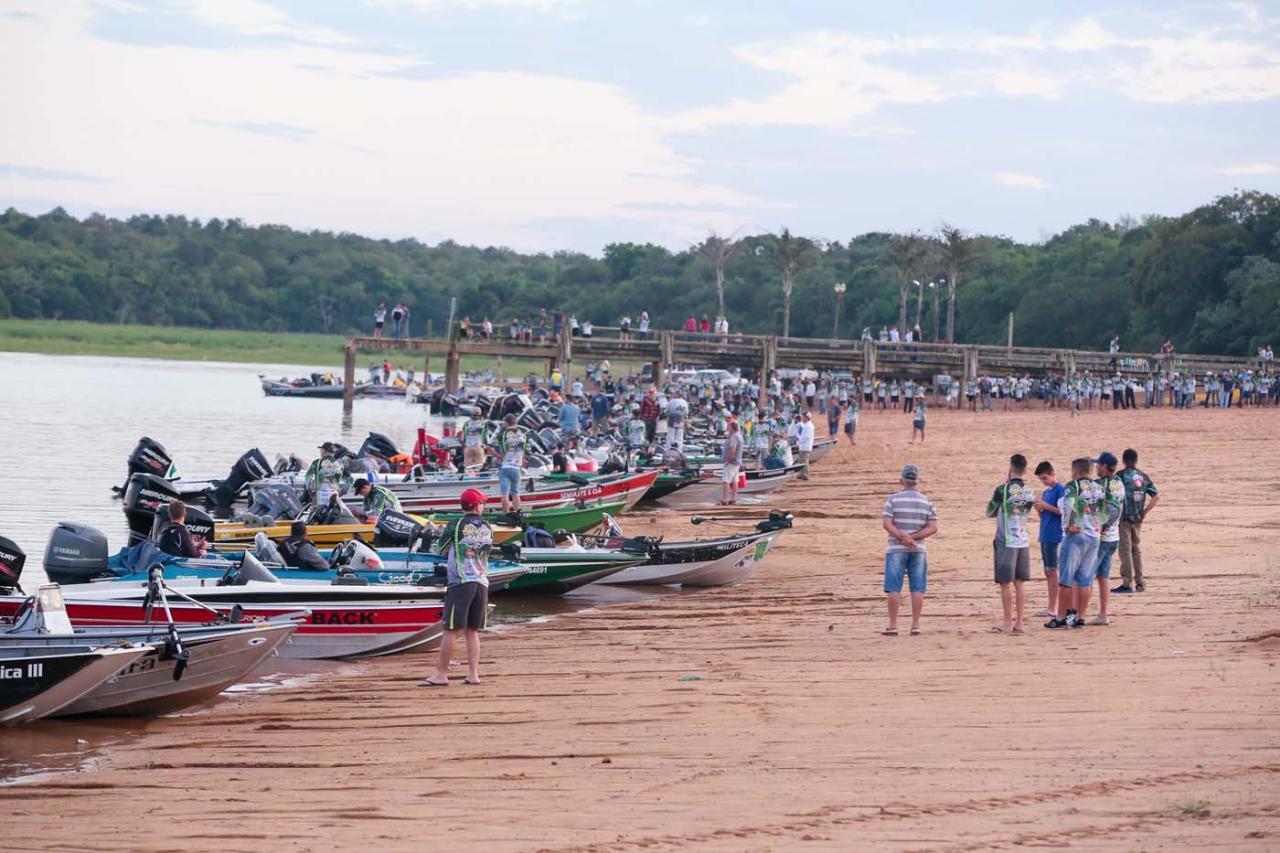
(909, 518)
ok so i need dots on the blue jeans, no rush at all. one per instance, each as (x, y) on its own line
(1077, 560)
(1049, 556)
(1106, 550)
(509, 480)
(900, 565)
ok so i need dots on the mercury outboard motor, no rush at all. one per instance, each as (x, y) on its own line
(12, 559)
(379, 445)
(148, 457)
(145, 497)
(433, 406)
(275, 501)
(250, 467)
(396, 530)
(76, 553)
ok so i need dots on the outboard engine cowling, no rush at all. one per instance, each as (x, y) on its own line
(277, 501)
(396, 530)
(250, 467)
(145, 496)
(149, 457)
(378, 444)
(76, 553)
(12, 559)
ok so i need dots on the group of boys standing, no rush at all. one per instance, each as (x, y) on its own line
(1084, 523)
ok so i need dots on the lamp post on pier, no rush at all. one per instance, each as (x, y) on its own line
(840, 289)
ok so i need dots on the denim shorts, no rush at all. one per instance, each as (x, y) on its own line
(901, 565)
(1049, 556)
(1106, 550)
(509, 480)
(1077, 560)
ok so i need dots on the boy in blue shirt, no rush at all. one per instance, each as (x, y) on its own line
(1050, 532)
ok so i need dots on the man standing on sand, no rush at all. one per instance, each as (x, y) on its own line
(1109, 539)
(804, 442)
(731, 456)
(1082, 506)
(466, 600)
(909, 518)
(1009, 506)
(1050, 532)
(1140, 497)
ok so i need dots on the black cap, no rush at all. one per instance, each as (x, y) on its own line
(1106, 457)
(328, 445)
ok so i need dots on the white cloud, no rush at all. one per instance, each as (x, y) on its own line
(1257, 168)
(255, 18)
(1022, 181)
(473, 156)
(432, 5)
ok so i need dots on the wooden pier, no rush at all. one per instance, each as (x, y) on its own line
(761, 355)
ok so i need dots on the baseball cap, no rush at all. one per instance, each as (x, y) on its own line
(1106, 457)
(328, 445)
(471, 498)
(910, 472)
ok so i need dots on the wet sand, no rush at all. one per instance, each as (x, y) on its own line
(805, 727)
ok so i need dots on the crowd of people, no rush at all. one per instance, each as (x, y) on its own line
(1084, 523)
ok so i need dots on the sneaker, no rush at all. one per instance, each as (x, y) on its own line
(1123, 588)
(1079, 623)
(1099, 620)
(1142, 587)
(1072, 618)
(1056, 623)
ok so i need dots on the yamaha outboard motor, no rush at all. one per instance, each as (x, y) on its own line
(434, 405)
(378, 445)
(250, 467)
(11, 560)
(76, 553)
(149, 457)
(396, 530)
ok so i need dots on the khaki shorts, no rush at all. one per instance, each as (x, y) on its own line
(729, 475)
(1011, 563)
(472, 457)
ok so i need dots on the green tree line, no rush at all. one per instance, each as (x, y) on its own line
(1209, 279)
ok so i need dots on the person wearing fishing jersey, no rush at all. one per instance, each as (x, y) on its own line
(466, 601)
(377, 500)
(677, 411)
(1082, 506)
(1109, 537)
(1140, 497)
(473, 440)
(1010, 505)
(326, 478)
(637, 430)
(512, 441)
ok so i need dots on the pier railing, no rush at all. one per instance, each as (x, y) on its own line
(665, 350)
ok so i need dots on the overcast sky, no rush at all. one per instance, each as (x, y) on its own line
(549, 124)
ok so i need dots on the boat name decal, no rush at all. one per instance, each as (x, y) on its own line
(345, 617)
(31, 670)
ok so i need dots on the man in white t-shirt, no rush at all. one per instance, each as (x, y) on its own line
(804, 443)
(677, 411)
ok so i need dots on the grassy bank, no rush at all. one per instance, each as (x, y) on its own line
(58, 337)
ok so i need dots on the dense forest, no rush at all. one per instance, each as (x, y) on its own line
(1209, 279)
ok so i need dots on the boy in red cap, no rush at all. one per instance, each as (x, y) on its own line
(466, 602)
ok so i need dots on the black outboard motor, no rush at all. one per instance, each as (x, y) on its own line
(145, 497)
(148, 457)
(146, 502)
(250, 467)
(434, 405)
(396, 530)
(379, 445)
(277, 501)
(12, 559)
(76, 553)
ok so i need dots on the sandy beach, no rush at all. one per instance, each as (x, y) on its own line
(774, 715)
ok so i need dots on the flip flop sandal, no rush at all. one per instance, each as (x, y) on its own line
(915, 632)
(890, 632)
(469, 681)
(999, 629)
(427, 682)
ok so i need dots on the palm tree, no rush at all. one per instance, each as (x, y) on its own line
(788, 253)
(905, 254)
(720, 251)
(957, 250)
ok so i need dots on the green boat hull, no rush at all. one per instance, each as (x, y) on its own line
(556, 575)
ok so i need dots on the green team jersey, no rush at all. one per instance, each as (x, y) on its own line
(379, 500)
(1137, 487)
(1083, 505)
(1113, 495)
(1010, 506)
(473, 433)
(512, 442)
(326, 471)
(636, 432)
